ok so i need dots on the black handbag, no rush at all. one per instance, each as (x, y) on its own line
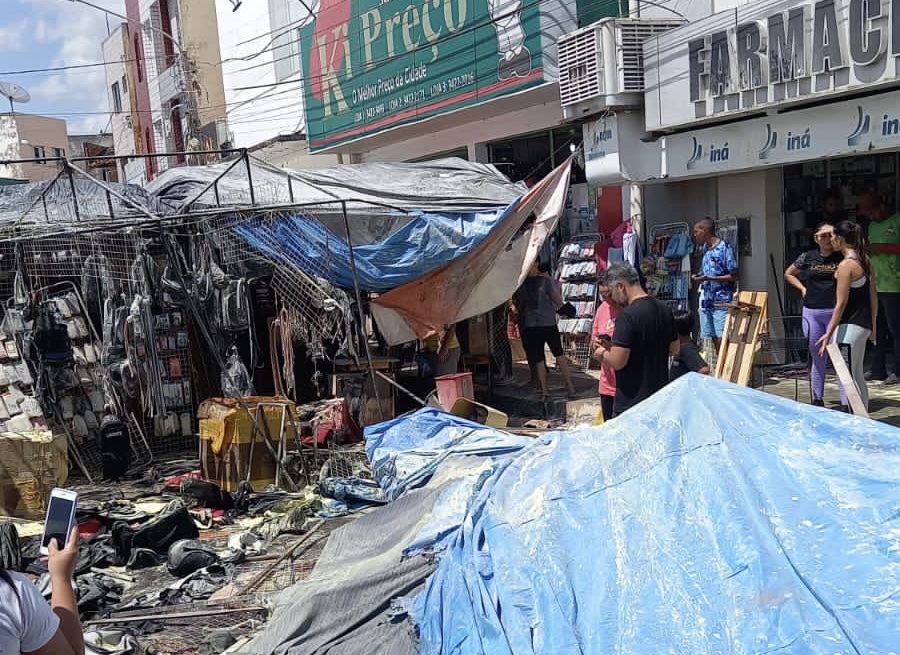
(567, 310)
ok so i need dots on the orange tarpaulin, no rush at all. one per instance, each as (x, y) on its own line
(482, 279)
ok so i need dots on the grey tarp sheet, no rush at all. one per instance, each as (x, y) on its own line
(378, 194)
(345, 607)
(57, 206)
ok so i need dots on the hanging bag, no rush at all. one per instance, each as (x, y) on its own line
(679, 245)
(236, 381)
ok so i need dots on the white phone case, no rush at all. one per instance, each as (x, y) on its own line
(58, 496)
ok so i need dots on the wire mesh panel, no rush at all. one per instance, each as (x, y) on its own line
(578, 276)
(130, 347)
(316, 310)
(186, 626)
(668, 278)
(783, 354)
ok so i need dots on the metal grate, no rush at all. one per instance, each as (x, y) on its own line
(669, 281)
(580, 66)
(317, 311)
(630, 37)
(93, 267)
(186, 626)
(584, 74)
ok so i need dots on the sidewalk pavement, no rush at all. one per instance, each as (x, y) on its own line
(520, 397)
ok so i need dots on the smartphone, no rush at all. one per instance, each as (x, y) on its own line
(604, 338)
(60, 518)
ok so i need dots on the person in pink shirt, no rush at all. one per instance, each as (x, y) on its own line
(604, 325)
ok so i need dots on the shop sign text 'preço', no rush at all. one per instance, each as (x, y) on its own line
(370, 65)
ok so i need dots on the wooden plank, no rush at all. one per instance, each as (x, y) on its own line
(847, 381)
(746, 316)
(750, 339)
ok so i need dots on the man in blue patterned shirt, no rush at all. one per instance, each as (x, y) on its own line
(717, 277)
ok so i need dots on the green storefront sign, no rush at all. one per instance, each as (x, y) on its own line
(369, 65)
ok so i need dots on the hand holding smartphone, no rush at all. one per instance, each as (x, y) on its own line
(60, 518)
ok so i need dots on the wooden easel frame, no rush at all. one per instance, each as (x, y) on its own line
(746, 317)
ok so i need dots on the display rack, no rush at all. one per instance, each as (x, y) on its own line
(668, 273)
(578, 274)
(173, 429)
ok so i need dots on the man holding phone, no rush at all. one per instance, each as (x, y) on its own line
(643, 338)
(28, 626)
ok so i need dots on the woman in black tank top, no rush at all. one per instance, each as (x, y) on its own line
(856, 307)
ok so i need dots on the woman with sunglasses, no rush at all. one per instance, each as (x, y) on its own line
(813, 276)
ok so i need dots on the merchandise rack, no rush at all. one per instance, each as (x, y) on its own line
(579, 275)
(670, 280)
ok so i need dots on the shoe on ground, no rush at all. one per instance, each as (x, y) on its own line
(869, 376)
(818, 402)
(892, 379)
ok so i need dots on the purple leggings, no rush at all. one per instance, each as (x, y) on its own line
(815, 322)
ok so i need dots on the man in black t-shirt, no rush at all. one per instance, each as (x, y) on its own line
(643, 339)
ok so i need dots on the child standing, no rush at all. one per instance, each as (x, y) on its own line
(688, 359)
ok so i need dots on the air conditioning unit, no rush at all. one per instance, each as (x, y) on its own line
(601, 66)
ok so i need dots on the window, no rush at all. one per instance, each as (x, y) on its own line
(59, 152)
(165, 20)
(39, 154)
(116, 98)
(124, 84)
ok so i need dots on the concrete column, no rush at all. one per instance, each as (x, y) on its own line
(636, 210)
(478, 152)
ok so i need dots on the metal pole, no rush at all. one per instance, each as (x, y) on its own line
(197, 196)
(72, 189)
(109, 205)
(249, 177)
(393, 382)
(359, 309)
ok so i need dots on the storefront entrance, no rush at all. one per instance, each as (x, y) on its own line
(531, 157)
(807, 188)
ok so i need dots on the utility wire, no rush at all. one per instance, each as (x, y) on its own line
(285, 31)
(272, 90)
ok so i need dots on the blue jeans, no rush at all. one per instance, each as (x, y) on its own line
(712, 323)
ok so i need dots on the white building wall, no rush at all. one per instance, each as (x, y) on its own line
(688, 9)
(675, 202)
(259, 114)
(10, 148)
(114, 55)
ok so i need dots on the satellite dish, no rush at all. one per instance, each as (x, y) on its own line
(14, 93)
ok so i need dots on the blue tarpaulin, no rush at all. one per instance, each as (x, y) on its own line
(419, 246)
(710, 518)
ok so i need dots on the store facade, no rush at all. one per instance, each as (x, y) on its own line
(782, 102)
(397, 82)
